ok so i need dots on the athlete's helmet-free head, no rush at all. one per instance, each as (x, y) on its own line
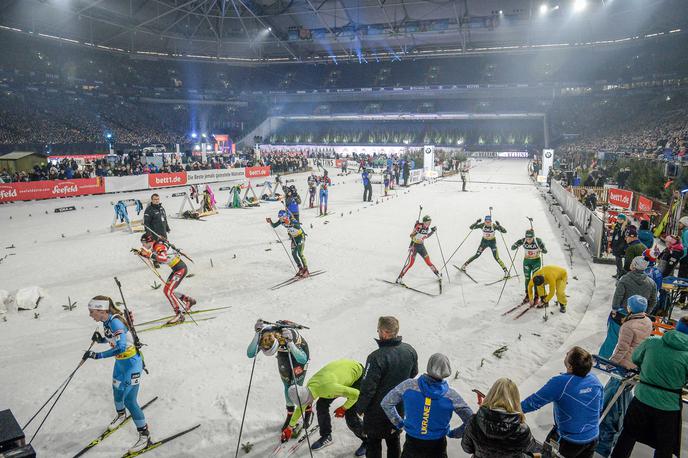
(530, 233)
(539, 280)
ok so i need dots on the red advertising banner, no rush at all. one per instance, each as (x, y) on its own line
(10, 192)
(620, 197)
(162, 180)
(255, 172)
(644, 204)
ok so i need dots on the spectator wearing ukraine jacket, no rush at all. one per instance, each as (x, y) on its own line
(428, 406)
(577, 397)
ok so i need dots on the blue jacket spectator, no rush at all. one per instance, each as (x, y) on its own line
(645, 234)
(366, 178)
(428, 406)
(578, 397)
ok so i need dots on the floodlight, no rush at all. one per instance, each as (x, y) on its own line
(194, 135)
(543, 8)
(579, 5)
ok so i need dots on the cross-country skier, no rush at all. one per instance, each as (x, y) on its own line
(128, 366)
(287, 343)
(421, 231)
(298, 239)
(489, 240)
(159, 251)
(292, 201)
(555, 278)
(312, 184)
(532, 260)
(325, 183)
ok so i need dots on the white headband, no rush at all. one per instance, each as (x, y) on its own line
(98, 304)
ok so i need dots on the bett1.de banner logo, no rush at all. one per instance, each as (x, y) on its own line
(163, 180)
(620, 197)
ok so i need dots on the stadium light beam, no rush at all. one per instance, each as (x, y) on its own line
(543, 9)
(579, 5)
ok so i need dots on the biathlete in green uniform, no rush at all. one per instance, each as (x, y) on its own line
(533, 248)
(298, 239)
(489, 240)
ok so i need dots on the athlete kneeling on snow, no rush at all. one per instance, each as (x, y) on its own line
(532, 256)
(489, 240)
(128, 365)
(157, 251)
(298, 239)
(421, 231)
(288, 344)
(338, 379)
(555, 278)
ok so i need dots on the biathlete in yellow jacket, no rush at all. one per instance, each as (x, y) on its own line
(338, 379)
(555, 278)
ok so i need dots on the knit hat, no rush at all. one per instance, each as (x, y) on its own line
(650, 256)
(631, 231)
(304, 395)
(683, 220)
(639, 263)
(637, 303)
(438, 366)
(682, 326)
(488, 218)
(620, 216)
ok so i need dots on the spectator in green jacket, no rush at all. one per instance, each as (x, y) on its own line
(654, 415)
(634, 247)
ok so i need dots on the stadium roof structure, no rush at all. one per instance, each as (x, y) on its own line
(331, 30)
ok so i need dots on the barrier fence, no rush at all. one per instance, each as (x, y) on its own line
(51, 189)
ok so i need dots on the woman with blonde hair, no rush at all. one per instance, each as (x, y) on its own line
(128, 366)
(498, 429)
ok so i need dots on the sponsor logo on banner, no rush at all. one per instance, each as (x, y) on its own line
(620, 197)
(209, 176)
(50, 189)
(644, 204)
(65, 209)
(161, 180)
(255, 172)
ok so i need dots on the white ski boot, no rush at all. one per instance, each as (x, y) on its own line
(143, 441)
(119, 419)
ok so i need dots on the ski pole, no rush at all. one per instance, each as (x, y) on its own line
(420, 209)
(441, 253)
(166, 240)
(243, 416)
(58, 389)
(509, 272)
(298, 398)
(130, 323)
(508, 253)
(542, 256)
(457, 249)
(285, 249)
(154, 270)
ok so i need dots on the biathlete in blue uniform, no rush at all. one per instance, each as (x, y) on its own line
(325, 182)
(128, 365)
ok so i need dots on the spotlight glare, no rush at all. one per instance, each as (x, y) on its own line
(543, 8)
(269, 29)
(579, 5)
(501, 12)
(555, 8)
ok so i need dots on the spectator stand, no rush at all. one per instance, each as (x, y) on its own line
(207, 205)
(122, 220)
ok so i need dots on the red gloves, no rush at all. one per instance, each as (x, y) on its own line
(340, 412)
(286, 433)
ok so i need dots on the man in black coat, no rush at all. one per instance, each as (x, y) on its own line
(385, 368)
(155, 218)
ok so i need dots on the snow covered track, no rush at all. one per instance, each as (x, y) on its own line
(200, 372)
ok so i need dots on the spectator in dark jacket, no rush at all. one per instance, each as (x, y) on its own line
(619, 243)
(386, 367)
(654, 415)
(407, 172)
(634, 247)
(499, 429)
(367, 186)
(428, 406)
(155, 218)
(577, 398)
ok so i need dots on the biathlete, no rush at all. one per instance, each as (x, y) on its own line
(126, 375)
(288, 344)
(161, 252)
(489, 240)
(325, 183)
(298, 239)
(421, 231)
(312, 184)
(533, 248)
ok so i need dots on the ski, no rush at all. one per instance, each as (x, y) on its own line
(465, 273)
(302, 440)
(157, 444)
(524, 311)
(404, 285)
(107, 432)
(296, 278)
(171, 325)
(501, 280)
(514, 308)
(193, 312)
(298, 429)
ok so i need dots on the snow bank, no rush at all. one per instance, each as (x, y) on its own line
(29, 298)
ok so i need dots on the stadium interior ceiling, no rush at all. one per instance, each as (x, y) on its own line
(255, 31)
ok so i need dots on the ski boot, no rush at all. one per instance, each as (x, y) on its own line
(506, 273)
(562, 307)
(399, 280)
(305, 273)
(178, 318)
(143, 441)
(525, 300)
(119, 419)
(463, 267)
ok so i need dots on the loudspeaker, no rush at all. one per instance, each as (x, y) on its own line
(11, 435)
